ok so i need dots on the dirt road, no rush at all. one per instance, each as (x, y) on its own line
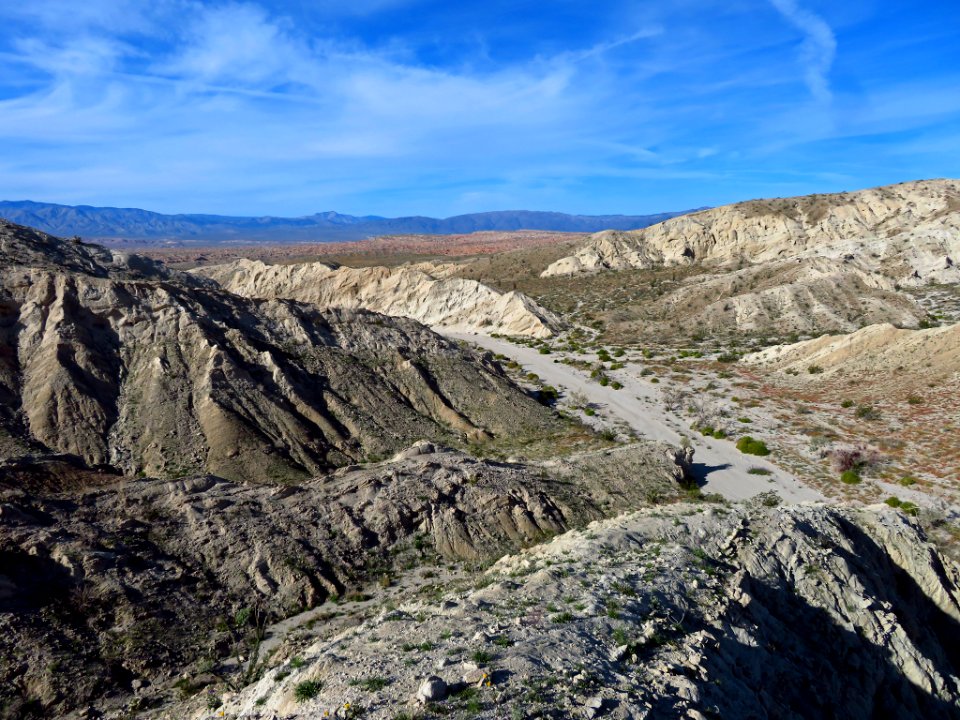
(719, 466)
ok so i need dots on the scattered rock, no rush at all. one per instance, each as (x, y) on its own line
(433, 689)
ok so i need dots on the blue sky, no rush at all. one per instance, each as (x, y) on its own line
(401, 107)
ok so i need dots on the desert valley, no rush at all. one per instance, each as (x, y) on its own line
(632, 474)
(417, 360)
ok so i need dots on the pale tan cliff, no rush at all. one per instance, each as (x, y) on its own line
(123, 363)
(448, 302)
(878, 350)
(910, 232)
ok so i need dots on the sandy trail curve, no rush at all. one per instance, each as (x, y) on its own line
(719, 466)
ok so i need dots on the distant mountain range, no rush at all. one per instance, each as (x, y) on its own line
(142, 227)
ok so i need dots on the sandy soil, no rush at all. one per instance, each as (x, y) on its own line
(722, 467)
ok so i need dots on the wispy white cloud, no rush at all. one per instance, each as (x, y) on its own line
(187, 105)
(819, 46)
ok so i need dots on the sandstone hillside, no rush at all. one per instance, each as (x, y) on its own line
(133, 368)
(799, 612)
(917, 357)
(128, 586)
(808, 295)
(453, 303)
(909, 232)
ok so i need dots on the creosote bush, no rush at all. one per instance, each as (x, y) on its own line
(908, 507)
(850, 477)
(749, 446)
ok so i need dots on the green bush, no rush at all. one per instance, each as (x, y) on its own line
(908, 507)
(907, 480)
(749, 446)
(850, 477)
(307, 690)
(867, 412)
(719, 434)
(481, 657)
(548, 395)
(814, 369)
(847, 404)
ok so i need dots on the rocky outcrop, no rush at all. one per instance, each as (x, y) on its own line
(452, 303)
(125, 586)
(882, 350)
(129, 366)
(910, 232)
(809, 295)
(800, 612)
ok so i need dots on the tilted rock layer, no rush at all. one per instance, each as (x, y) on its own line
(122, 363)
(910, 232)
(808, 295)
(137, 581)
(405, 292)
(877, 350)
(793, 612)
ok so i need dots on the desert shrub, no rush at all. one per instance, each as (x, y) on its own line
(371, 684)
(481, 657)
(867, 412)
(850, 477)
(728, 357)
(548, 395)
(307, 690)
(814, 369)
(749, 446)
(769, 499)
(604, 380)
(616, 385)
(755, 470)
(744, 420)
(853, 458)
(908, 507)
(544, 350)
(915, 400)
(846, 404)
(907, 480)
